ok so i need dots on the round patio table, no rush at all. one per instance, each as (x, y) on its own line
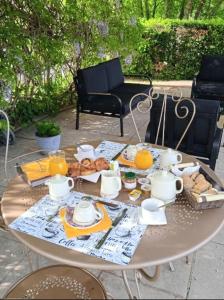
(186, 231)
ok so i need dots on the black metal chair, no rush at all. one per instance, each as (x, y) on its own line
(209, 83)
(203, 138)
(102, 91)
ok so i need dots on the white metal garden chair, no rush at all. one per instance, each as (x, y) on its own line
(144, 106)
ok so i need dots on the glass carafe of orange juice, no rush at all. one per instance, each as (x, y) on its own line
(57, 163)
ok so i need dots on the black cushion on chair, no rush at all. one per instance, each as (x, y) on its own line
(93, 79)
(107, 104)
(210, 90)
(114, 73)
(131, 88)
(212, 68)
(200, 136)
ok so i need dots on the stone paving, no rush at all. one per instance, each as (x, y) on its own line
(202, 278)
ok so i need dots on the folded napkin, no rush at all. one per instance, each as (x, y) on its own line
(71, 231)
(126, 162)
(36, 169)
(176, 170)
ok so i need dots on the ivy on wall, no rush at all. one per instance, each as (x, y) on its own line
(44, 42)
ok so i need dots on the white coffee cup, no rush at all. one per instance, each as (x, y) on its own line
(59, 186)
(150, 208)
(86, 151)
(130, 152)
(110, 184)
(169, 157)
(85, 213)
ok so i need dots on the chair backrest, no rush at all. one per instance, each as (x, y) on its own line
(100, 78)
(114, 72)
(211, 68)
(199, 138)
(92, 79)
(162, 105)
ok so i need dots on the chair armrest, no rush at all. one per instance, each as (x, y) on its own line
(139, 76)
(113, 96)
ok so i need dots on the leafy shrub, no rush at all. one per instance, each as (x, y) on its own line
(172, 49)
(3, 125)
(47, 129)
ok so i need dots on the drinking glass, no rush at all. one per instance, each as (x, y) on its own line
(57, 163)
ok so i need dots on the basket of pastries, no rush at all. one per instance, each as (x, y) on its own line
(87, 167)
(202, 191)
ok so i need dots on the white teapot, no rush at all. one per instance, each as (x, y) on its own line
(59, 186)
(164, 185)
(169, 157)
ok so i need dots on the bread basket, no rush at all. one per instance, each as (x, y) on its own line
(206, 201)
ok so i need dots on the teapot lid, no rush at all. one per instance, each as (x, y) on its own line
(168, 150)
(58, 178)
(163, 175)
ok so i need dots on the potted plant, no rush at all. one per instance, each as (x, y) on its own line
(48, 136)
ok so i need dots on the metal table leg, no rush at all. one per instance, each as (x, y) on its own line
(138, 275)
(149, 277)
(127, 286)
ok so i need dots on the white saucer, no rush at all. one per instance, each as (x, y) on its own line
(158, 218)
(84, 223)
(75, 223)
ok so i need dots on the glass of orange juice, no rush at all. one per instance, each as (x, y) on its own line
(57, 163)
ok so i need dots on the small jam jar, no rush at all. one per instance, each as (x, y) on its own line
(130, 181)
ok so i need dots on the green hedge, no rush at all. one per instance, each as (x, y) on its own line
(172, 49)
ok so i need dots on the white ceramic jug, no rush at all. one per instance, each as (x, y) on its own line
(110, 184)
(164, 186)
(59, 186)
(169, 157)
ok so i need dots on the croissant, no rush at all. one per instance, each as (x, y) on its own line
(101, 164)
(88, 164)
(74, 169)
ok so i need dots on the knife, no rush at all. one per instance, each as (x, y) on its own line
(119, 153)
(114, 223)
(107, 203)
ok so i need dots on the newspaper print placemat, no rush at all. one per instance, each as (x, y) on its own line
(119, 246)
(109, 149)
